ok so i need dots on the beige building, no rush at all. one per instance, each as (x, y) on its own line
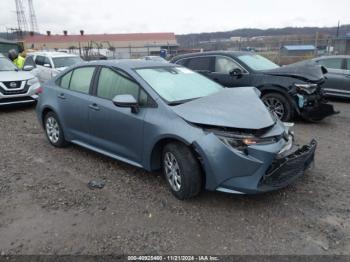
(118, 45)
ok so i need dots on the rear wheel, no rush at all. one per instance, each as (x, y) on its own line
(280, 105)
(54, 130)
(182, 171)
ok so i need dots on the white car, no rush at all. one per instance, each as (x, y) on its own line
(46, 65)
(16, 87)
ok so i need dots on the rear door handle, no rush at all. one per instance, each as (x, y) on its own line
(61, 96)
(94, 107)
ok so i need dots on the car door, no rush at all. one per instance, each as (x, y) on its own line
(347, 76)
(117, 130)
(336, 80)
(73, 102)
(44, 68)
(29, 62)
(221, 74)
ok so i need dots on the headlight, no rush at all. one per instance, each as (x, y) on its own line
(307, 88)
(240, 142)
(32, 81)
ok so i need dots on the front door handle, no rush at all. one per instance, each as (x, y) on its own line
(94, 107)
(61, 96)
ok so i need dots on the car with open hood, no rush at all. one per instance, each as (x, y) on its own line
(155, 115)
(16, 87)
(287, 91)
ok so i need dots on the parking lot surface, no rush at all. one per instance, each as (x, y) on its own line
(47, 208)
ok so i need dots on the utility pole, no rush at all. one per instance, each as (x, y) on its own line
(338, 29)
(316, 44)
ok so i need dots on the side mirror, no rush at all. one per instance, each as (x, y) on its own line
(47, 65)
(126, 101)
(28, 68)
(236, 72)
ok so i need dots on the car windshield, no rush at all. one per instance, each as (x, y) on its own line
(257, 62)
(6, 65)
(178, 84)
(66, 61)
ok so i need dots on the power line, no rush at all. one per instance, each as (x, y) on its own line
(21, 18)
(32, 17)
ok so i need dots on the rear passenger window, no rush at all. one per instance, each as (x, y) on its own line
(29, 61)
(81, 79)
(65, 80)
(111, 84)
(200, 63)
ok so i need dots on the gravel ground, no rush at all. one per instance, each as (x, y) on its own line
(47, 208)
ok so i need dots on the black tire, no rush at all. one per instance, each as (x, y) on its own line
(59, 140)
(189, 171)
(288, 110)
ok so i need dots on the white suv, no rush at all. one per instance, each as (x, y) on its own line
(46, 65)
(16, 87)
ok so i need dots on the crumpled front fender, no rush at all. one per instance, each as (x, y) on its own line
(221, 163)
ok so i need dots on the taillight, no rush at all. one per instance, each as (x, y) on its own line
(39, 90)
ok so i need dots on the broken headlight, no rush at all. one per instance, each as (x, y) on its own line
(240, 141)
(307, 88)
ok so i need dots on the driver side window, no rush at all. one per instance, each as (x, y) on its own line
(111, 84)
(224, 65)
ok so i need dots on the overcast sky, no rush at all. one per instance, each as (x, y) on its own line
(179, 16)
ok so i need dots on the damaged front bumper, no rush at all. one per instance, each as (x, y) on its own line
(285, 169)
(314, 107)
(262, 169)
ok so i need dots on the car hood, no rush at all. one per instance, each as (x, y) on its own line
(60, 69)
(306, 72)
(232, 107)
(6, 76)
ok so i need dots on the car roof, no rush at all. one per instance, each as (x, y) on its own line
(230, 53)
(52, 54)
(130, 63)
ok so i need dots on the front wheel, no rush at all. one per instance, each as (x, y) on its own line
(280, 105)
(182, 171)
(54, 130)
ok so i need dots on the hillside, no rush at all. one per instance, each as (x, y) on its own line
(190, 40)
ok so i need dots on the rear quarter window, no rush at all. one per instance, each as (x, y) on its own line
(65, 80)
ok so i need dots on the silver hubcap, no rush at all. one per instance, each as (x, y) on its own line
(172, 171)
(52, 130)
(275, 106)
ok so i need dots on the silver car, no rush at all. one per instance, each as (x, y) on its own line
(158, 115)
(16, 87)
(46, 65)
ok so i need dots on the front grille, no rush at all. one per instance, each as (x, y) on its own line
(285, 169)
(12, 84)
(14, 92)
